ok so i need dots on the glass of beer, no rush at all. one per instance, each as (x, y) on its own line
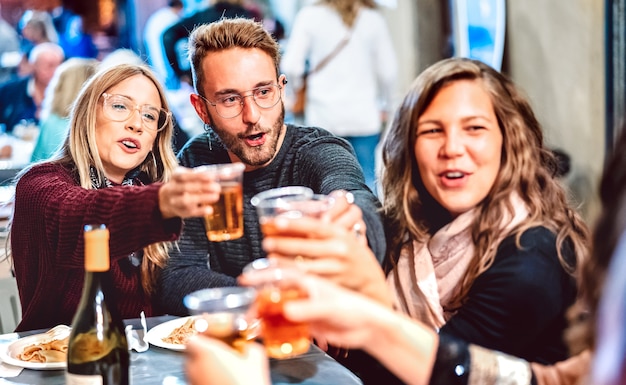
(226, 314)
(226, 222)
(288, 202)
(281, 337)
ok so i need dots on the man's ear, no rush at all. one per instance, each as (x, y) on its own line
(200, 106)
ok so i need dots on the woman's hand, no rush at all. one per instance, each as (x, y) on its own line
(212, 362)
(329, 250)
(188, 194)
(345, 213)
(340, 316)
(344, 318)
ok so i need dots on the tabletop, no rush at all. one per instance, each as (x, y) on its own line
(165, 367)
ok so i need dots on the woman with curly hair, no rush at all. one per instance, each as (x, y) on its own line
(116, 167)
(482, 243)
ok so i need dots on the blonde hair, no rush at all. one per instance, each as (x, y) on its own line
(349, 9)
(527, 167)
(67, 81)
(226, 34)
(80, 152)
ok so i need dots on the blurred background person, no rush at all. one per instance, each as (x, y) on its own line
(350, 96)
(156, 25)
(60, 94)
(36, 28)
(76, 42)
(9, 49)
(21, 99)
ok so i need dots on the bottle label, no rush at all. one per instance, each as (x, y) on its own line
(82, 379)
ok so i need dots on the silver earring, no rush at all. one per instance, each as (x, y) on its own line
(206, 129)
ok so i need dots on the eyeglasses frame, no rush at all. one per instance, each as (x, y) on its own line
(168, 114)
(243, 97)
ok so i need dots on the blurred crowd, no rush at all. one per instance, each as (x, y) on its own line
(48, 55)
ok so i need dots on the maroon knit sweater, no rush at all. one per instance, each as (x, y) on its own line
(47, 242)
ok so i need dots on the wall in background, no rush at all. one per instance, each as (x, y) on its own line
(556, 54)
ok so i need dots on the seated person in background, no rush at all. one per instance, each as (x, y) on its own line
(36, 27)
(218, 10)
(60, 94)
(417, 355)
(491, 249)
(239, 97)
(9, 49)
(21, 99)
(116, 167)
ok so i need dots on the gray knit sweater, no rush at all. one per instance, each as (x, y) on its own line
(309, 157)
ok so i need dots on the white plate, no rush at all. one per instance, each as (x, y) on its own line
(10, 354)
(156, 334)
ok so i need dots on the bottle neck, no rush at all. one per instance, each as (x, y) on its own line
(96, 282)
(99, 296)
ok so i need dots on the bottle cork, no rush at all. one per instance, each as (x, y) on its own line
(96, 248)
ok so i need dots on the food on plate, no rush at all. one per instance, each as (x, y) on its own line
(181, 334)
(45, 352)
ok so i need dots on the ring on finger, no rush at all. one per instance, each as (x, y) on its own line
(349, 197)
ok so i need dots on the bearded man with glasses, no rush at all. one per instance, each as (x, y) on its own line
(239, 97)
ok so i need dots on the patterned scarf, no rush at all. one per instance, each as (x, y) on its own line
(424, 285)
(135, 177)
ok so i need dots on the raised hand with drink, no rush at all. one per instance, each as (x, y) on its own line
(225, 313)
(282, 338)
(226, 221)
(325, 246)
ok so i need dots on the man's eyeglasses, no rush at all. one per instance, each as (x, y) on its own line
(119, 108)
(230, 106)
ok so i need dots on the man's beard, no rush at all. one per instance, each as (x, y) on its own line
(252, 156)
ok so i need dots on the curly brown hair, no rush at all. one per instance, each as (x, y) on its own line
(527, 167)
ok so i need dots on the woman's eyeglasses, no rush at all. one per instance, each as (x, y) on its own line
(119, 108)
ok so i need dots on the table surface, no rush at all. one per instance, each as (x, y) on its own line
(162, 366)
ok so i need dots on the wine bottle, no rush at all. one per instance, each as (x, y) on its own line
(97, 351)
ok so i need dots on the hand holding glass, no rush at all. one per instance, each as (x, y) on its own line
(225, 314)
(288, 202)
(226, 222)
(282, 338)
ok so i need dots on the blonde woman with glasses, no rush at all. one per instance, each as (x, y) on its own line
(115, 167)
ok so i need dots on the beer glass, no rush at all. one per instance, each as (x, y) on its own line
(281, 337)
(225, 314)
(288, 202)
(226, 222)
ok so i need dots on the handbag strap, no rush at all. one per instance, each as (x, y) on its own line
(331, 55)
